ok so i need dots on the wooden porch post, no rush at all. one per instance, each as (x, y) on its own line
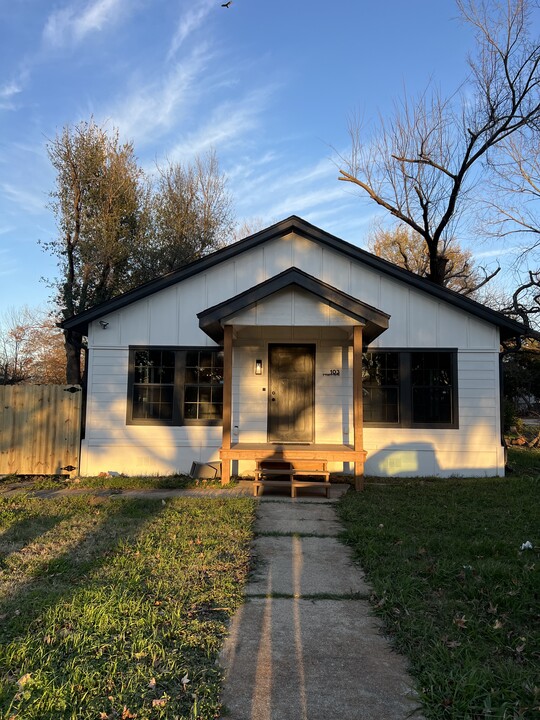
(227, 402)
(358, 406)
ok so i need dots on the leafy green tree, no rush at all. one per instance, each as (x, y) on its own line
(98, 201)
(117, 229)
(522, 379)
(189, 215)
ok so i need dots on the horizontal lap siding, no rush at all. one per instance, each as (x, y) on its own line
(417, 320)
(472, 449)
(111, 445)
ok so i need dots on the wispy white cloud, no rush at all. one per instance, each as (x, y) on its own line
(278, 188)
(149, 110)
(10, 90)
(27, 201)
(227, 125)
(75, 21)
(497, 252)
(298, 203)
(190, 20)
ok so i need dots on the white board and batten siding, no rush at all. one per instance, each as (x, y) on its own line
(418, 320)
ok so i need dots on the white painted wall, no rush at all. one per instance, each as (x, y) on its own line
(417, 320)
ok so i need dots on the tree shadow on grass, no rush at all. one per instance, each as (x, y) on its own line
(59, 579)
(23, 532)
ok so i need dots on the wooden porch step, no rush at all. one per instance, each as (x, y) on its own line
(292, 484)
(270, 484)
(294, 471)
(295, 484)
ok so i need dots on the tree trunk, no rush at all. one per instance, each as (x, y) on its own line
(73, 344)
(437, 265)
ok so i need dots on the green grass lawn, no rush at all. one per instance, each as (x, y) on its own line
(116, 608)
(118, 482)
(456, 592)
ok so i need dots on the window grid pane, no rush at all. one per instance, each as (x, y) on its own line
(203, 390)
(152, 402)
(431, 377)
(409, 388)
(153, 387)
(380, 373)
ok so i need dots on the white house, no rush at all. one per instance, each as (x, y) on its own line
(292, 343)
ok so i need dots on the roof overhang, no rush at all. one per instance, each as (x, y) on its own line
(374, 321)
(508, 327)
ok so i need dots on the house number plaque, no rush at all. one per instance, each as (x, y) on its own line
(334, 372)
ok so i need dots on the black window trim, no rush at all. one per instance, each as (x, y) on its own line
(405, 389)
(177, 419)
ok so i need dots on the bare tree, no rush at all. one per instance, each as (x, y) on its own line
(513, 214)
(513, 211)
(31, 348)
(524, 305)
(404, 247)
(428, 158)
(249, 226)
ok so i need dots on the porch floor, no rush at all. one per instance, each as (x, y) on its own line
(326, 452)
(292, 451)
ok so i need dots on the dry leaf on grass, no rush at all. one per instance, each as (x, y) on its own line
(24, 680)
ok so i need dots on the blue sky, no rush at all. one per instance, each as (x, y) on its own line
(268, 85)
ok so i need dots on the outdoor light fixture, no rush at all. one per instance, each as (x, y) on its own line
(104, 324)
(258, 367)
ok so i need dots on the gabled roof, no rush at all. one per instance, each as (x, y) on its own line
(374, 321)
(508, 327)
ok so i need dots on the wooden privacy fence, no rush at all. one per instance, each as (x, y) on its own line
(40, 429)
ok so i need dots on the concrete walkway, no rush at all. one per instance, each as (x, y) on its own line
(305, 645)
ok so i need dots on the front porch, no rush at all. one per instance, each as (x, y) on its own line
(257, 452)
(289, 404)
(276, 452)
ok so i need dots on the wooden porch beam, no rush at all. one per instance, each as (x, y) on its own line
(227, 402)
(358, 406)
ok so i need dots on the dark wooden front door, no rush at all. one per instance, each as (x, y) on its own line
(291, 393)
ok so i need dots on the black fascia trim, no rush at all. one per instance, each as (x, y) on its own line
(81, 321)
(509, 328)
(376, 321)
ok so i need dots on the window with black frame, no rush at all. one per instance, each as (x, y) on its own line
(380, 374)
(175, 386)
(410, 388)
(431, 382)
(203, 385)
(153, 384)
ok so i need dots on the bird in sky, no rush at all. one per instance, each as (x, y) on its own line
(227, 4)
